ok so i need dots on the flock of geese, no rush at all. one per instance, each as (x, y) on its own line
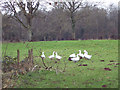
(72, 57)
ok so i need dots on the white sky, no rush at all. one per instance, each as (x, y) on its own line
(107, 2)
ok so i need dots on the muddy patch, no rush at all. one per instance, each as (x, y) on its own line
(82, 65)
(102, 60)
(90, 68)
(107, 69)
(115, 66)
(104, 85)
(109, 64)
(112, 61)
(117, 63)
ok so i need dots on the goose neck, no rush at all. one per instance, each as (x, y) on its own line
(80, 51)
(53, 53)
(56, 54)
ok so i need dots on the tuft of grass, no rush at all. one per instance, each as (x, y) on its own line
(91, 76)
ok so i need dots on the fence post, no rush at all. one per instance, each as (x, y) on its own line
(32, 55)
(29, 55)
(18, 56)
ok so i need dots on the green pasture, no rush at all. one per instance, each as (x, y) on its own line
(91, 76)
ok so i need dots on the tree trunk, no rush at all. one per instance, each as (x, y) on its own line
(60, 38)
(73, 35)
(73, 26)
(29, 23)
(29, 34)
(97, 29)
(29, 19)
(44, 38)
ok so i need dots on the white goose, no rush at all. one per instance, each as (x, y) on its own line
(52, 56)
(58, 57)
(87, 56)
(75, 59)
(80, 54)
(71, 56)
(43, 55)
(85, 52)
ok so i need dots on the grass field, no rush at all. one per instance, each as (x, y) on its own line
(91, 76)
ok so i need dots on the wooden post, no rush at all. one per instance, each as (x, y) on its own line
(29, 55)
(18, 56)
(32, 56)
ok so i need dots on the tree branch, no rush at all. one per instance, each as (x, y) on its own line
(17, 19)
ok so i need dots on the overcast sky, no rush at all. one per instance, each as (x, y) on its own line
(105, 4)
(108, 2)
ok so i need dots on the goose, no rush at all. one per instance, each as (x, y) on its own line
(75, 59)
(58, 57)
(85, 52)
(80, 54)
(71, 56)
(87, 56)
(52, 56)
(43, 55)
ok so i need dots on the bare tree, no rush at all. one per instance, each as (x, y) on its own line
(72, 7)
(90, 23)
(27, 7)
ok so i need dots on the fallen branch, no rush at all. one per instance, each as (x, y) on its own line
(34, 67)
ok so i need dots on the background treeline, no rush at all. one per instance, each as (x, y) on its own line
(91, 23)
